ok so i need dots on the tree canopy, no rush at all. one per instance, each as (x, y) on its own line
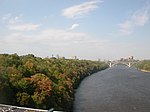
(43, 83)
(145, 65)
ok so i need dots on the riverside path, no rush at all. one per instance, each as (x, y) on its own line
(117, 89)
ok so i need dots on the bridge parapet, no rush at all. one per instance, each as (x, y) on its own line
(10, 108)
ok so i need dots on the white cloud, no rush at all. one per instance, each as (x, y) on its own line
(6, 16)
(59, 35)
(74, 26)
(15, 19)
(53, 41)
(137, 19)
(10, 19)
(68, 43)
(126, 27)
(141, 17)
(23, 27)
(16, 23)
(81, 10)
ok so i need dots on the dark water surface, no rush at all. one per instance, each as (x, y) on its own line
(117, 89)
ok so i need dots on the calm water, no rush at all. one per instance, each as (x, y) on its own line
(117, 89)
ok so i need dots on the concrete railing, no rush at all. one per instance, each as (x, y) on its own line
(10, 108)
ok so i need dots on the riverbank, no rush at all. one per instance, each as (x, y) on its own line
(144, 70)
(143, 66)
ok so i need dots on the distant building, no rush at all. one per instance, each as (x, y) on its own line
(132, 57)
(74, 57)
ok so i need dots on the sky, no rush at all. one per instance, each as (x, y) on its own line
(88, 29)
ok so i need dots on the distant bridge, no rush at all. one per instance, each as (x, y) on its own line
(128, 63)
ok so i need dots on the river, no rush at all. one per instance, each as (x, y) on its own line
(117, 89)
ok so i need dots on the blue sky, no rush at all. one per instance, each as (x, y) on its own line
(88, 29)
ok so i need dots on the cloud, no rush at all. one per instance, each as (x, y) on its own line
(16, 23)
(141, 17)
(10, 19)
(67, 43)
(48, 41)
(23, 27)
(58, 37)
(74, 26)
(6, 16)
(81, 10)
(52, 41)
(137, 19)
(126, 27)
(16, 19)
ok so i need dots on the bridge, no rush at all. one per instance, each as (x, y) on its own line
(128, 63)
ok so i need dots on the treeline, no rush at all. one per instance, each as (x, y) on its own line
(42, 83)
(144, 65)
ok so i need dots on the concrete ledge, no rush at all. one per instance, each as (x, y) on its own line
(10, 108)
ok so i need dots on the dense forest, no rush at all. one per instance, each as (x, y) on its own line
(42, 82)
(144, 65)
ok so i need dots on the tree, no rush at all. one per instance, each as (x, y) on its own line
(43, 89)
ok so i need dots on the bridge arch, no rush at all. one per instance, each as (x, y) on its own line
(111, 64)
(127, 64)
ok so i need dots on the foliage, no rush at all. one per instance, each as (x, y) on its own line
(43, 83)
(145, 65)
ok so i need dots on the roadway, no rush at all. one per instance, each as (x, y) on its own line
(117, 89)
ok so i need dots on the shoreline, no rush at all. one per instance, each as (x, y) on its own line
(144, 70)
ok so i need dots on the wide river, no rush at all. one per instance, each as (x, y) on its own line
(117, 89)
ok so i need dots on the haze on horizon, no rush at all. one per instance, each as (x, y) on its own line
(88, 29)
